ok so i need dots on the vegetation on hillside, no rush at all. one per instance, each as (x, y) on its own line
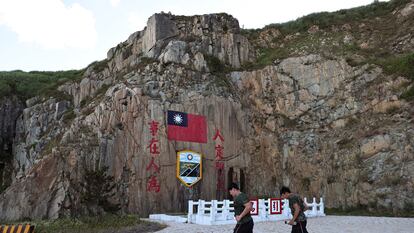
(402, 66)
(326, 20)
(29, 84)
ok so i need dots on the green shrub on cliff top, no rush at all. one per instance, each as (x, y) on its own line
(28, 84)
(327, 19)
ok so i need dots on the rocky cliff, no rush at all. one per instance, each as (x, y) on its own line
(10, 110)
(325, 123)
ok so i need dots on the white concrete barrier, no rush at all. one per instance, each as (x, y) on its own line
(222, 212)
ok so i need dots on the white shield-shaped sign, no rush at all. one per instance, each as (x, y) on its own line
(189, 167)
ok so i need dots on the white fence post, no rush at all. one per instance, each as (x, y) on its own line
(213, 210)
(190, 211)
(226, 209)
(314, 208)
(321, 207)
(201, 207)
(263, 210)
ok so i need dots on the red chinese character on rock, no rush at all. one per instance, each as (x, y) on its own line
(153, 165)
(219, 152)
(153, 185)
(218, 135)
(153, 146)
(220, 180)
(219, 165)
(153, 127)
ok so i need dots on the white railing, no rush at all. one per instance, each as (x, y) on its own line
(222, 212)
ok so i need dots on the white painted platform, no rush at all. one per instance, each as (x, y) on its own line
(168, 218)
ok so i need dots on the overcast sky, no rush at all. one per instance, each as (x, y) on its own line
(70, 34)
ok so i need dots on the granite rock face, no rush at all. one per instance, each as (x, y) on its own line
(317, 124)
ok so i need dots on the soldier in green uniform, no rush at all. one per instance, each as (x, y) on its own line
(242, 208)
(298, 208)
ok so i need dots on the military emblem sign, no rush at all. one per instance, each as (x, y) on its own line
(189, 167)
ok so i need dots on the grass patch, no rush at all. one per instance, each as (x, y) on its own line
(101, 224)
(222, 81)
(326, 19)
(403, 66)
(267, 56)
(68, 116)
(99, 66)
(297, 41)
(54, 142)
(102, 90)
(29, 84)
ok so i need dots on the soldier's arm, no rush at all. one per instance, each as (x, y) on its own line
(247, 209)
(296, 214)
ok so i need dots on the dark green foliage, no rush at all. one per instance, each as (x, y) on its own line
(148, 60)
(29, 84)
(102, 90)
(85, 101)
(409, 94)
(99, 66)
(225, 28)
(296, 41)
(403, 66)
(326, 19)
(97, 188)
(68, 116)
(126, 52)
(268, 55)
(214, 64)
(251, 34)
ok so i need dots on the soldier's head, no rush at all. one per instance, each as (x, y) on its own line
(234, 189)
(284, 192)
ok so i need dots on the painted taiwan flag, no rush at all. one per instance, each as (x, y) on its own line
(186, 127)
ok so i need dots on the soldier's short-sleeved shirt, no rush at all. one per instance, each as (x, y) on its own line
(239, 202)
(294, 198)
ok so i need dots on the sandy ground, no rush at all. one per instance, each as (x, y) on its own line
(329, 224)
